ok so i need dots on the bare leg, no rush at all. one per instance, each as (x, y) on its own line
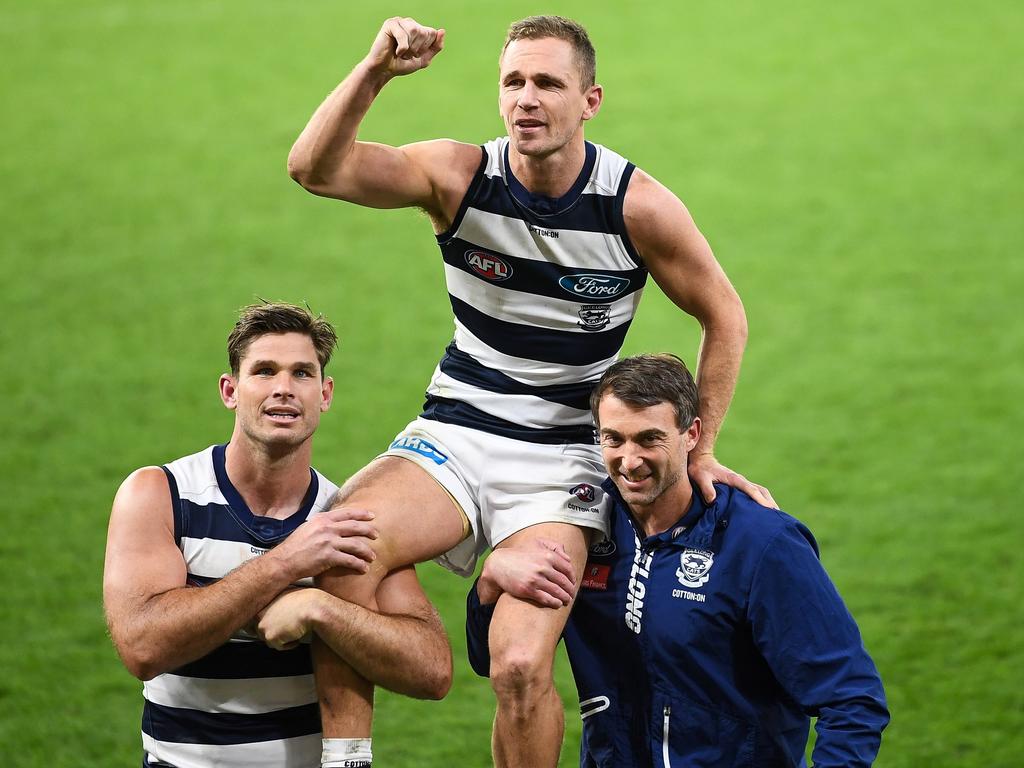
(417, 520)
(529, 721)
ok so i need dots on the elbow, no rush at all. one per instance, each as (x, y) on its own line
(141, 666)
(438, 681)
(739, 321)
(725, 321)
(299, 171)
(742, 329)
(141, 659)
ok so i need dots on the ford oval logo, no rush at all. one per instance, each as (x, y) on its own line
(488, 266)
(603, 548)
(594, 287)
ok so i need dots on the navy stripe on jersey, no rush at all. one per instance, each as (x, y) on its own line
(464, 415)
(224, 523)
(544, 344)
(264, 528)
(240, 660)
(176, 511)
(190, 726)
(541, 278)
(550, 206)
(465, 368)
(591, 213)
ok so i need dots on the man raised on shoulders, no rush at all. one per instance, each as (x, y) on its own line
(547, 241)
(204, 555)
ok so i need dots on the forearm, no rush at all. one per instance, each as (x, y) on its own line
(330, 135)
(186, 623)
(718, 368)
(407, 654)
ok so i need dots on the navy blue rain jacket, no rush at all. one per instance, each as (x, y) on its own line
(712, 644)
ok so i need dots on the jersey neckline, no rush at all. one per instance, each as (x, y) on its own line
(542, 205)
(267, 528)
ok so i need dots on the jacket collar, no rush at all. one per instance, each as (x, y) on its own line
(695, 527)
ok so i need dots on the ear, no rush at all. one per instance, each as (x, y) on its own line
(594, 96)
(692, 435)
(327, 394)
(229, 391)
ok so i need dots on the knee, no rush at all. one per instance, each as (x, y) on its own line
(520, 672)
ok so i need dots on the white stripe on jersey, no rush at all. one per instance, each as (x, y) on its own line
(514, 238)
(300, 752)
(215, 559)
(527, 410)
(249, 696)
(534, 372)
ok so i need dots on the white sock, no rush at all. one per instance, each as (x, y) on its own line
(346, 753)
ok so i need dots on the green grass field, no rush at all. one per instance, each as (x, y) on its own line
(857, 168)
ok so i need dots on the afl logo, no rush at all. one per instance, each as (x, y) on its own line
(594, 287)
(488, 266)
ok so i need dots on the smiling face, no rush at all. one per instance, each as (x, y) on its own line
(644, 451)
(279, 391)
(541, 98)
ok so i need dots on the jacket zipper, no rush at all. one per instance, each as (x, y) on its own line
(664, 737)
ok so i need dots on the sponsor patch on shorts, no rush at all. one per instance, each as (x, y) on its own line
(420, 446)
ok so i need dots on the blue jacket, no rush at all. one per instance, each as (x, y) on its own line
(712, 644)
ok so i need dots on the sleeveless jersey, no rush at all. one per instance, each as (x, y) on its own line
(543, 291)
(244, 704)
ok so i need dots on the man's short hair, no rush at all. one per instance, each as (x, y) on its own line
(560, 28)
(256, 320)
(644, 381)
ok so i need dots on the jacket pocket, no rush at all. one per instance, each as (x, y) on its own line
(688, 734)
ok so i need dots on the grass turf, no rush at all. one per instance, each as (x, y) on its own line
(857, 170)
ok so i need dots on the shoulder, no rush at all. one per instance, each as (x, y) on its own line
(143, 502)
(657, 221)
(144, 483)
(646, 195)
(445, 158)
(749, 519)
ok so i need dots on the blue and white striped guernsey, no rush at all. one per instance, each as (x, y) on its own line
(543, 292)
(244, 704)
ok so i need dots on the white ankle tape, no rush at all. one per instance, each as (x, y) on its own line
(346, 753)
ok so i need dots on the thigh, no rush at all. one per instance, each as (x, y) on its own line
(416, 518)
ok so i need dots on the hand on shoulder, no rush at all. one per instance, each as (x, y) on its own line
(705, 470)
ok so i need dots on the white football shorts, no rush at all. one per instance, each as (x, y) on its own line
(505, 485)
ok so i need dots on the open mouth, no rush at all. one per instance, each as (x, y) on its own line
(284, 415)
(529, 125)
(634, 482)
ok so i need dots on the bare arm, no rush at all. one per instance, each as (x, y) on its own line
(403, 648)
(540, 572)
(681, 262)
(156, 621)
(327, 160)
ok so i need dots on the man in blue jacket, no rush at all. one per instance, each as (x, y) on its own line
(702, 634)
